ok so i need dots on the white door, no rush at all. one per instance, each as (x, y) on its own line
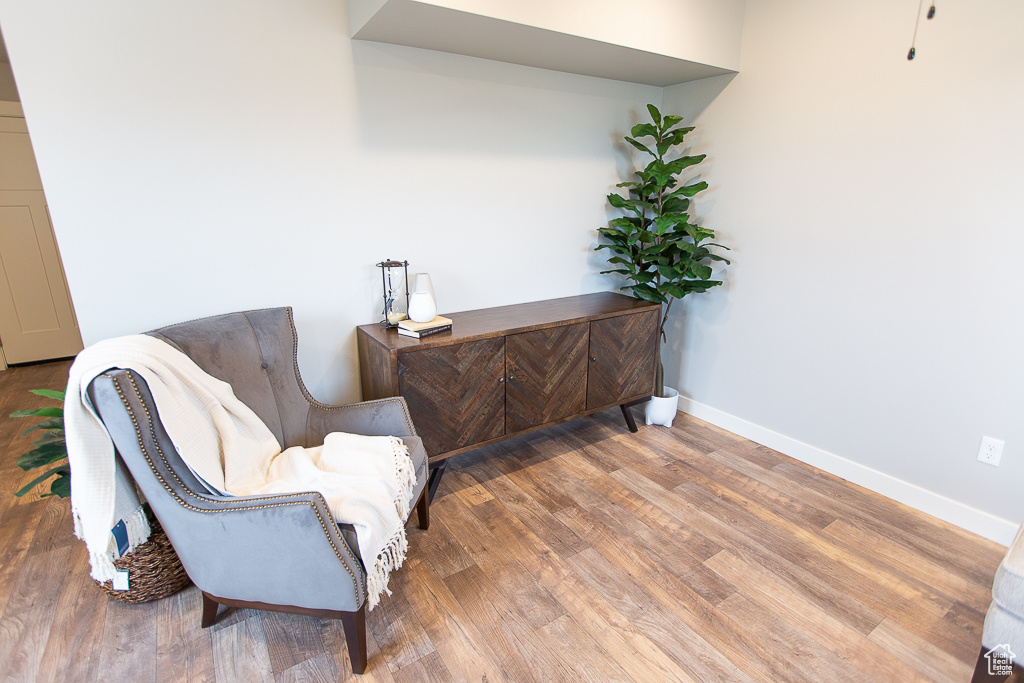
(37, 320)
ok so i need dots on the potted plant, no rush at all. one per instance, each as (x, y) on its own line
(153, 567)
(49, 448)
(656, 245)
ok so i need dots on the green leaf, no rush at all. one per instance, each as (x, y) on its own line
(655, 114)
(691, 190)
(642, 129)
(677, 165)
(39, 412)
(701, 271)
(639, 146)
(649, 293)
(62, 486)
(52, 423)
(617, 201)
(670, 121)
(643, 278)
(663, 147)
(664, 223)
(42, 455)
(673, 289)
(51, 436)
(676, 136)
(668, 272)
(675, 204)
(62, 470)
(49, 393)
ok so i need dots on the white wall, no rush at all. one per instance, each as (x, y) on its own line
(873, 319)
(207, 157)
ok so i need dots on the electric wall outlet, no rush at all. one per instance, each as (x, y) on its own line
(991, 451)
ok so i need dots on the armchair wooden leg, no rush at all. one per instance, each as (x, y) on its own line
(210, 607)
(355, 635)
(423, 509)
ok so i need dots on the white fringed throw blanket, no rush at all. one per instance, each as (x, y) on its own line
(366, 480)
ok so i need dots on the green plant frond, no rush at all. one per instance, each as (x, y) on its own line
(673, 290)
(648, 293)
(678, 165)
(642, 129)
(670, 120)
(643, 278)
(43, 455)
(617, 271)
(691, 190)
(699, 270)
(677, 135)
(39, 412)
(49, 393)
(640, 146)
(61, 487)
(52, 436)
(663, 147)
(625, 223)
(52, 423)
(655, 114)
(57, 471)
(616, 200)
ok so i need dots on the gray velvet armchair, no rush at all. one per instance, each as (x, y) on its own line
(274, 552)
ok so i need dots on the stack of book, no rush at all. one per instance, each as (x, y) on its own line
(420, 330)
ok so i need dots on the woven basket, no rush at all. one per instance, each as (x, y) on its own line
(154, 570)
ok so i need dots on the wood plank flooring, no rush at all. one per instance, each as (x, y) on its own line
(582, 552)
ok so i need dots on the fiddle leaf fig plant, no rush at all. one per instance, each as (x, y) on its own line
(656, 244)
(49, 448)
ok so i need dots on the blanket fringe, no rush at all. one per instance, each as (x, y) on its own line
(390, 559)
(394, 552)
(102, 563)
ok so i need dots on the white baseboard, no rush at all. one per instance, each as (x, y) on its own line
(973, 520)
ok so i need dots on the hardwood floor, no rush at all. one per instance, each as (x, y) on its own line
(581, 552)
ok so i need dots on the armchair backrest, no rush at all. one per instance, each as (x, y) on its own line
(254, 352)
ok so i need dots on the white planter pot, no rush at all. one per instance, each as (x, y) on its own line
(661, 411)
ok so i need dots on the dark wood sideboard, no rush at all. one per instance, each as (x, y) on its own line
(509, 370)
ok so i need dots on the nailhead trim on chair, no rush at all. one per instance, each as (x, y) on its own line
(142, 446)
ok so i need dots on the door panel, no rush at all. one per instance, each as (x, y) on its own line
(456, 394)
(547, 375)
(37, 321)
(622, 358)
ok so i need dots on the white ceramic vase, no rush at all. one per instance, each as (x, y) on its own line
(661, 410)
(422, 307)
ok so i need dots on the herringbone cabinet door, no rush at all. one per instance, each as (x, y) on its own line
(455, 393)
(547, 375)
(622, 358)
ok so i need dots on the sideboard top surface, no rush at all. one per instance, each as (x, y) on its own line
(513, 319)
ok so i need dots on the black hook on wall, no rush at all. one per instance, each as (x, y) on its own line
(931, 14)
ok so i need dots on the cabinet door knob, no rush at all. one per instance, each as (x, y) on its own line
(511, 377)
(501, 380)
(594, 359)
